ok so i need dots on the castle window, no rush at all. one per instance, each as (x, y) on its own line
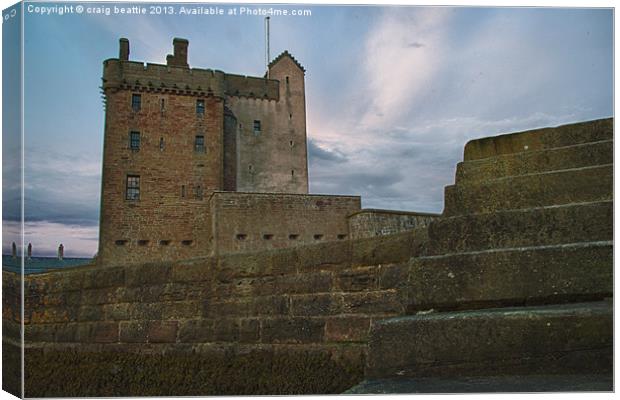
(133, 187)
(136, 102)
(318, 237)
(182, 190)
(241, 236)
(200, 107)
(293, 237)
(268, 236)
(164, 242)
(292, 172)
(143, 242)
(162, 105)
(198, 191)
(199, 144)
(291, 143)
(256, 126)
(134, 140)
(187, 242)
(287, 81)
(161, 144)
(342, 236)
(290, 116)
(120, 242)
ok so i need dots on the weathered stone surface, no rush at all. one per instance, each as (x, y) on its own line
(194, 271)
(104, 277)
(196, 331)
(292, 330)
(527, 191)
(249, 330)
(528, 161)
(539, 139)
(311, 282)
(379, 302)
(520, 228)
(357, 279)
(149, 273)
(98, 332)
(383, 249)
(316, 304)
(347, 329)
(527, 383)
(511, 276)
(494, 341)
(148, 331)
(393, 275)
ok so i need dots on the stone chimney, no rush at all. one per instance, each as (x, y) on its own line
(179, 58)
(123, 53)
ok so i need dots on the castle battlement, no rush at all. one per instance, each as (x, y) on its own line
(136, 75)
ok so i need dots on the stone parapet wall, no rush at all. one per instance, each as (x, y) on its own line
(262, 221)
(371, 222)
(119, 74)
(316, 300)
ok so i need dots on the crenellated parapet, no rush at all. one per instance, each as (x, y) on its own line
(178, 78)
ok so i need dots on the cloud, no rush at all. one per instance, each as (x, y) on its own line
(318, 153)
(60, 186)
(415, 45)
(397, 79)
(78, 241)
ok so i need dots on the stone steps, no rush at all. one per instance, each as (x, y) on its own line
(529, 162)
(489, 384)
(558, 339)
(540, 139)
(577, 185)
(570, 223)
(508, 277)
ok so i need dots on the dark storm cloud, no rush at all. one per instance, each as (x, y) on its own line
(59, 188)
(316, 152)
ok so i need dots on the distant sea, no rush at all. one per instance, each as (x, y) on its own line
(37, 265)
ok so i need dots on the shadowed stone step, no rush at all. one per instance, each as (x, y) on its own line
(579, 185)
(529, 275)
(571, 338)
(540, 139)
(528, 162)
(488, 384)
(581, 222)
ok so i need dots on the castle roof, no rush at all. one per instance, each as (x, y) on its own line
(284, 54)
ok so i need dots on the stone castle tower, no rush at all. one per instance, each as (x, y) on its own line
(174, 135)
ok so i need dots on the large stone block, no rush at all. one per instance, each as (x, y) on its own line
(98, 332)
(575, 338)
(148, 331)
(347, 329)
(196, 331)
(529, 162)
(104, 277)
(357, 279)
(310, 282)
(149, 273)
(511, 277)
(521, 228)
(316, 304)
(194, 271)
(540, 139)
(292, 330)
(390, 302)
(527, 191)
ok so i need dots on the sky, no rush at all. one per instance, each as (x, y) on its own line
(392, 94)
